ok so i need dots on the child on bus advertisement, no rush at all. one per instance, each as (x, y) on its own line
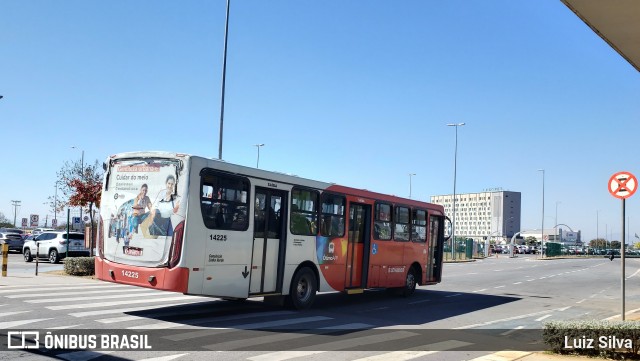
(141, 209)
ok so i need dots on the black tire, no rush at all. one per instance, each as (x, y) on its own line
(303, 289)
(410, 283)
(27, 255)
(54, 257)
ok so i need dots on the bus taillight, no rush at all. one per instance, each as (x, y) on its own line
(101, 239)
(176, 245)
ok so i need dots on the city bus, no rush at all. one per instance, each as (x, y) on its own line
(200, 226)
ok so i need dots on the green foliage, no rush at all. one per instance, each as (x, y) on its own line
(79, 266)
(559, 334)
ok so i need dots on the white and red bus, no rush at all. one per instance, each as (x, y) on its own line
(201, 226)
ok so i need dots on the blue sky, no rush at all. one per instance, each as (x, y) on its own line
(352, 92)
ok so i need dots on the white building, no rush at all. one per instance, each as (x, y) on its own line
(493, 214)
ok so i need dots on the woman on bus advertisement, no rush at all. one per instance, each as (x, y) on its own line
(167, 203)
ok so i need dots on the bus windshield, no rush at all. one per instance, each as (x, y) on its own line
(142, 203)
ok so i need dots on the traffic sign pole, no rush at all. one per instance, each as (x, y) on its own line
(622, 185)
(622, 261)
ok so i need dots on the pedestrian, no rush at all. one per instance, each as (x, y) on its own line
(611, 256)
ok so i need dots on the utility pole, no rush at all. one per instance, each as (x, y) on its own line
(15, 205)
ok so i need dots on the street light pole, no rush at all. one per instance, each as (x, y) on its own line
(224, 76)
(542, 230)
(410, 175)
(555, 236)
(15, 205)
(258, 160)
(455, 165)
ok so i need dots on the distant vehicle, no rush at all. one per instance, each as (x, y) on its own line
(53, 245)
(38, 231)
(14, 240)
(12, 230)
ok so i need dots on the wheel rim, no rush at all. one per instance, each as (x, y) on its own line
(303, 289)
(53, 256)
(411, 281)
(27, 254)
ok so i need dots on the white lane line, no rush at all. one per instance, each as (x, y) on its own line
(118, 303)
(40, 289)
(500, 286)
(283, 355)
(164, 358)
(119, 319)
(542, 318)
(361, 341)
(126, 309)
(167, 324)
(2, 314)
(421, 301)
(397, 356)
(83, 355)
(511, 331)
(482, 290)
(11, 324)
(82, 292)
(503, 355)
(102, 297)
(509, 319)
(517, 283)
(454, 295)
(582, 300)
(278, 337)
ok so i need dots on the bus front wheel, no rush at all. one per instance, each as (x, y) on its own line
(303, 289)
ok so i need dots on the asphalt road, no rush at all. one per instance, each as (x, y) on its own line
(503, 294)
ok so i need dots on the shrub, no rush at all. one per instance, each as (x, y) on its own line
(79, 266)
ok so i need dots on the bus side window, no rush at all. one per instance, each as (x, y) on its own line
(332, 216)
(224, 200)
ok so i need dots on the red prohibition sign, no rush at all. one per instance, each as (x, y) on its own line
(622, 185)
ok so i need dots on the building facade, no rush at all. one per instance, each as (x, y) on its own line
(490, 215)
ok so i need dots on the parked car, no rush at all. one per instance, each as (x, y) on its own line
(14, 240)
(53, 246)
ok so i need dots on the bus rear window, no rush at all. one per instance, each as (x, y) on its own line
(224, 201)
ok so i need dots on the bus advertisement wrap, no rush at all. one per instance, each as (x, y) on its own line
(143, 211)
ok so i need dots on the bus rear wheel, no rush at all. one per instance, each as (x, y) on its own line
(410, 283)
(303, 289)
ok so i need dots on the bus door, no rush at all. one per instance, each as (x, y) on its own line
(267, 260)
(435, 248)
(358, 245)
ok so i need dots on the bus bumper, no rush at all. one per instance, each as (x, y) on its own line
(176, 279)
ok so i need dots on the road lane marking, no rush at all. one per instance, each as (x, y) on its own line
(83, 355)
(283, 355)
(517, 283)
(117, 303)
(582, 300)
(511, 331)
(542, 318)
(482, 290)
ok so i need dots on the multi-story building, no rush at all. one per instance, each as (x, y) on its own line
(493, 214)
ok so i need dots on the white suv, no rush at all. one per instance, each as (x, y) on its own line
(53, 245)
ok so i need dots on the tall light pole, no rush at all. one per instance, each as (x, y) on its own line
(224, 77)
(555, 236)
(597, 230)
(410, 175)
(455, 166)
(542, 230)
(258, 160)
(15, 205)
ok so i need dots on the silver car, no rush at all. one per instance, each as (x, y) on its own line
(55, 246)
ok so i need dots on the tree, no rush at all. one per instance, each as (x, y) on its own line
(531, 241)
(5, 222)
(599, 243)
(81, 186)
